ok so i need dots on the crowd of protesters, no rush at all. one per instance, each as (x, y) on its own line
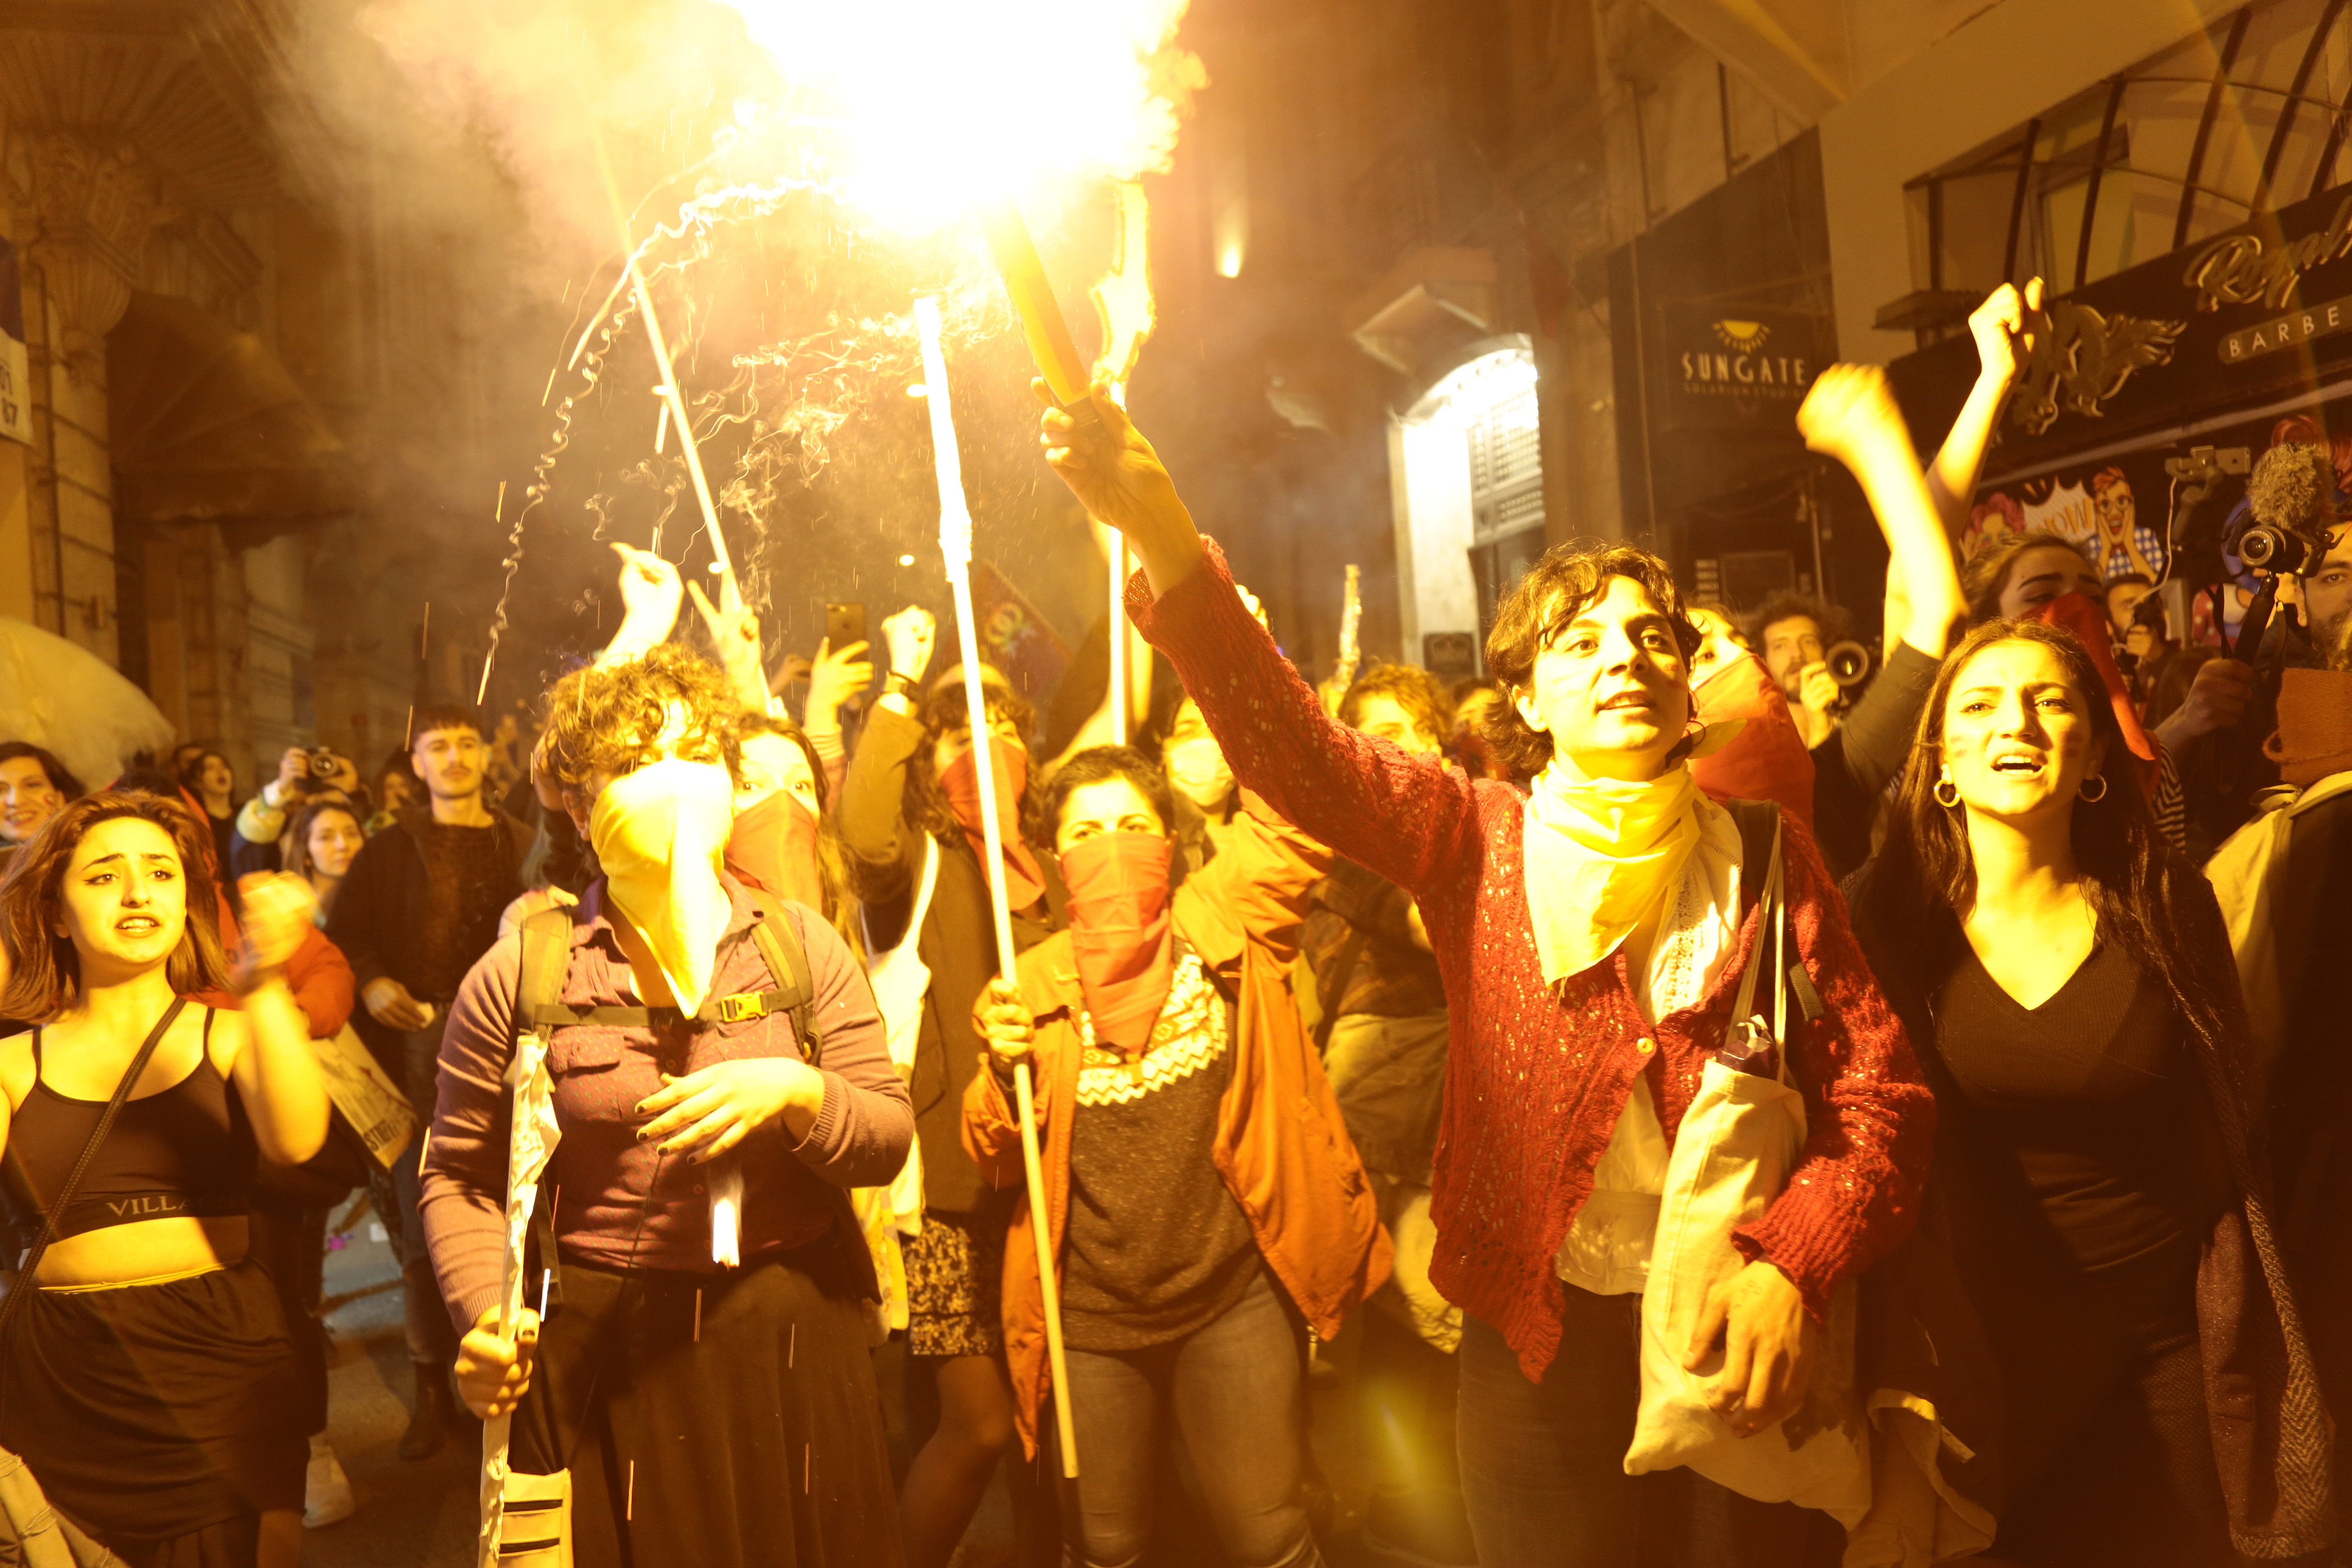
(1368, 1033)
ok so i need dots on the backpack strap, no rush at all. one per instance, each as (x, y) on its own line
(795, 992)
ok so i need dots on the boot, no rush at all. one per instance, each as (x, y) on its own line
(429, 1421)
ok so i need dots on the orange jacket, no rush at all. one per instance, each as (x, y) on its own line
(1280, 1144)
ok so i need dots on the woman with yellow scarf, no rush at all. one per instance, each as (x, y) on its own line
(1592, 927)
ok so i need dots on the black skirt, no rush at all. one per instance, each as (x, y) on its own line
(726, 1420)
(160, 1419)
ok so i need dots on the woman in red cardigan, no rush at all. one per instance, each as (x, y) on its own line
(1592, 932)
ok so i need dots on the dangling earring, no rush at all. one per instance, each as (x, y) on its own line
(1947, 793)
(2088, 798)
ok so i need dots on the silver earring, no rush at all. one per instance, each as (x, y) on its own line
(2088, 798)
(1943, 798)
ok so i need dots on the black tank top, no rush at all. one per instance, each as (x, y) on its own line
(185, 1150)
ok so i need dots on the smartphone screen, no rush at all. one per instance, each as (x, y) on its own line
(844, 624)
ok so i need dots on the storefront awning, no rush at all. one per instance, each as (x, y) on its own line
(209, 425)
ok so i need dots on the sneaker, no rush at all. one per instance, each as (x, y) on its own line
(326, 1490)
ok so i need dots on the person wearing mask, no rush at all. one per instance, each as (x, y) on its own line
(418, 906)
(2099, 1176)
(148, 1374)
(911, 827)
(716, 1413)
(34, 787)
(1591, 936)
(1381, 1028)
(210, 782)
(1194, 1155)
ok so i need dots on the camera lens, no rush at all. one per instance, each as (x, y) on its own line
(1849, 663)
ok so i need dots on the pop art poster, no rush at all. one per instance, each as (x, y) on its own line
(2117, 512)
(2096, 509)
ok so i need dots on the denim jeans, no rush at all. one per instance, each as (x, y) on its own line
(431, 1339)
(1239, 1399)
(1543, 1464)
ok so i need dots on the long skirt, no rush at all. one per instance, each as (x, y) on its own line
(164, 1419)
(724, 1420)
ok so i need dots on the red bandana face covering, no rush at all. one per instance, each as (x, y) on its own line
(1025, 882)
(773, 848)
(1119, 928)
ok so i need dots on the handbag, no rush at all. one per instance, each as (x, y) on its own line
(41, 1536)
(1732, 1157)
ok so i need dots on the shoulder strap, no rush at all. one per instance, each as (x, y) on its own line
(1334, 989)
(546, 961)
(65, 1196)
(795, 992)
(1767, 929)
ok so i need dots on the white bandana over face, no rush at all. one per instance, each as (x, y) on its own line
(660, 833)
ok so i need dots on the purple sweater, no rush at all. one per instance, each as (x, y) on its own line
(600, 1173)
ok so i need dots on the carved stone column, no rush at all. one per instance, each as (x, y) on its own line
(94, 207)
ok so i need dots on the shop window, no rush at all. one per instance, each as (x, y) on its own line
(2248, 115)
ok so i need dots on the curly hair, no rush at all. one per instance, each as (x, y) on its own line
(1829, 620)
(1540, 606)
(610, 720)
(1410, 688)
(1041, 819)
(44, 969)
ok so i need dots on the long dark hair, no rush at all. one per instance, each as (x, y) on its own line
(2145, 896)
(44, 969)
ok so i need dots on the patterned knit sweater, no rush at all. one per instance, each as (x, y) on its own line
(1538, 1076)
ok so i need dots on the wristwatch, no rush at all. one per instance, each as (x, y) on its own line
(905, 685)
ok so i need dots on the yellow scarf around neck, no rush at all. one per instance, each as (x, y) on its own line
(1602, 856)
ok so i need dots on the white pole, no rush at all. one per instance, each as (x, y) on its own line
(676, 400)
(1118, 694)
(955, 549)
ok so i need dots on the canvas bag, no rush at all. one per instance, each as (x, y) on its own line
(1732, 1157)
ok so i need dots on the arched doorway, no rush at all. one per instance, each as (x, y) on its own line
(1466, 468)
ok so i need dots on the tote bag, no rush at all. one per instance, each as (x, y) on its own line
(1737, 1144)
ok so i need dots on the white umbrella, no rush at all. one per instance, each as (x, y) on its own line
(66, 699)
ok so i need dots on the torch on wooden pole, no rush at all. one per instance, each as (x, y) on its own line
(1042, 321)
(955, 548)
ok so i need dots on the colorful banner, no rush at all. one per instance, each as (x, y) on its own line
(1014, 638)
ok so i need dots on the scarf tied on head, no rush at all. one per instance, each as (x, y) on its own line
(1120, 929)
(1024, 880)
(1602, 856)
(660, 833)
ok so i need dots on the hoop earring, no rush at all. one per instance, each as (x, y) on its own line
(2085, 791)
(1946, 801)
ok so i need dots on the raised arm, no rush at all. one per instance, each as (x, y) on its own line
(1851, 415)
(1404, 816)
(2001, 326)
(276, 1073)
